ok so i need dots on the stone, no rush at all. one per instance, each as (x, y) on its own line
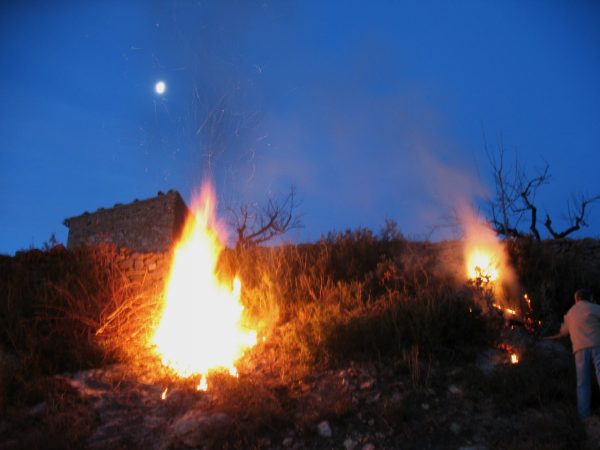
(425, 406)
(455, 428)
(368, 446)
(350, 444)
(455, 390)
(374, 398)
(367, 384)
(193, 427)
(324, 429)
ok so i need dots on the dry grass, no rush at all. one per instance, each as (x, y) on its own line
(351, 296)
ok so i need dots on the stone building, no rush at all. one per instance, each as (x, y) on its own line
(150, 225)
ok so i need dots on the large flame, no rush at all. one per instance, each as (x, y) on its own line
(200, 328)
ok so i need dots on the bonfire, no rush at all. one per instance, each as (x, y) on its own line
(201, 327)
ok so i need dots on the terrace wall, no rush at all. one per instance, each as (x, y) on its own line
(143, 267)
(150, 225)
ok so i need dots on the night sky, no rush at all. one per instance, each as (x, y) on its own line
(372, 110)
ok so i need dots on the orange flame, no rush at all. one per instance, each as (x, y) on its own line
(512, 353)
(201, 325)
(483, 265)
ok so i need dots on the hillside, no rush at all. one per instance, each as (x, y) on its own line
(365, 341)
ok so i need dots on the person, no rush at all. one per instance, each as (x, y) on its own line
(582, 325)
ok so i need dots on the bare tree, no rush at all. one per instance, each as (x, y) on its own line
(258, 224)
(514, 200)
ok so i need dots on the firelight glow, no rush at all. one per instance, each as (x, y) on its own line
(483, 264)
(160, 87)
(201, 325)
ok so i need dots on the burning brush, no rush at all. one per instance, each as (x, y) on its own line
(201, 327)
(491, 277)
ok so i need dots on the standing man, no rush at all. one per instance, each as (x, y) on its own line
(582, 324)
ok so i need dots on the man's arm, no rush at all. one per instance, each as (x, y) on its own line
(553, 337)
(563, 332)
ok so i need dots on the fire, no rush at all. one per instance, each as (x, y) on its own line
(513, 355)
(483, 265)
(201, 325)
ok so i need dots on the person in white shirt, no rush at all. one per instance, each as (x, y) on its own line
(582, 325)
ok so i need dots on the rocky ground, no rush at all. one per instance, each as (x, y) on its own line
(358, 406)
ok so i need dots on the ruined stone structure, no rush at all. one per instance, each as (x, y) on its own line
(150, 225)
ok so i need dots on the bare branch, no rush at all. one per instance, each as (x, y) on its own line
(527, 195)
(577, 220)
(254, 225)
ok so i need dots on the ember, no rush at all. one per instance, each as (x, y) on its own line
(513, 355)
(201, 325)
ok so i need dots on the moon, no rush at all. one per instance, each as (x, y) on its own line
(160, 87)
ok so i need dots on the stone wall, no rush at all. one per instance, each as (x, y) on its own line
(151, 225)
(148, 268)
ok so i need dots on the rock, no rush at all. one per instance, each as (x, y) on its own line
(455, 390)
(350, 444)
(367, 384)
(374, 399)
(38, 409)
(193, 427)
(368, 446)
(455, 428)
(425, 406)
(288, 441)
(592, 428)
(324, 429)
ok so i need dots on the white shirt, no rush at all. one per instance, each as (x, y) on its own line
(582, 324)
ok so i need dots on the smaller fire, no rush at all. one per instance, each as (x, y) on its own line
(163, 396)
(482, 266)
(512, 353)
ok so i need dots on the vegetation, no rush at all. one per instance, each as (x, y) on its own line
(355, 297)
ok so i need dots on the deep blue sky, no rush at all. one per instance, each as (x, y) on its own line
(372, 110)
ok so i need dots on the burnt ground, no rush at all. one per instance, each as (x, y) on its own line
(382, 405)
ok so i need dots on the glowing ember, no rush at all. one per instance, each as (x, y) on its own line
(163, 396)
(513, 355)
(200, 328)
